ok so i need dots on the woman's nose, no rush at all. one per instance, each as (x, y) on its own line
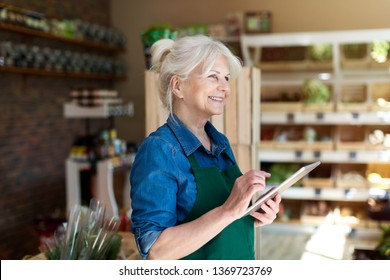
(224, 85)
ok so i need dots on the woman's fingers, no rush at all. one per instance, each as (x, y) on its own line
(255, 177)
(268, 211)
(244, 188)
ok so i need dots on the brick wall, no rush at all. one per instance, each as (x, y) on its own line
(35, 138)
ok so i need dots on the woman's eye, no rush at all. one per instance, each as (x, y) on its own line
(227, 79)
(213, 76)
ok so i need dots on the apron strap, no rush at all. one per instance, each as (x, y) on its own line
(193, 161)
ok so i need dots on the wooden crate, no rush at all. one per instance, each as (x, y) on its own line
(378, 137)
(267, 137)
(353, 98)
(289, 137)
(317, 65)
(327, 107)
(281, 99)
(374, 64)
(323, 139)
(351, 176)
(349, 137)
(380, 66)
(320, 65)
(360, 61)
(281, 106)
(318, 182)
(315, 212)
(380, 97)
(275, 59)
(383, 170)
(283, 66)
(321, 177)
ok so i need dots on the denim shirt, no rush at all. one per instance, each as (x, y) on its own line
(163, 188)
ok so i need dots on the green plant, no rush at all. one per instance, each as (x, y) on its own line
(380, 51)
(321, 52)
(157, 32)
(384, 242)
(315, 92)
(281, 171)
(88, 235)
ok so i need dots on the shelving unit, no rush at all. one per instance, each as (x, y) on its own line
(104, 111)
(104, 191)
(105, 168)
(84, 43)
(47, 35)
(61, 74)
(345, 125)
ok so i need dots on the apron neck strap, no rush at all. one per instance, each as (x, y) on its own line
(193, 161)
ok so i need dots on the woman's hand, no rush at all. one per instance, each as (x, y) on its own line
(243, 190)
(268, 211)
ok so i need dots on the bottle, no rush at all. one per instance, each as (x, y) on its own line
(115, 143)
(102, 144)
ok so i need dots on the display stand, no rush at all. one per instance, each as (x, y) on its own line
(104, 186)
(105, 168)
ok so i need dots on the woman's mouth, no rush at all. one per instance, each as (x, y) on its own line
(214, 98)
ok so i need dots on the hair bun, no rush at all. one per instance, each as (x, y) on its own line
(159, 50)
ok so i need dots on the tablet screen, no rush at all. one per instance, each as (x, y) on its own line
(281, 187)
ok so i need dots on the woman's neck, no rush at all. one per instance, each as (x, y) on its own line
(197, 127)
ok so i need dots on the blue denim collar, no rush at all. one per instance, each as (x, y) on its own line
(190, 143)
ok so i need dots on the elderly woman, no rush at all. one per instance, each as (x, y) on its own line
(188, 194)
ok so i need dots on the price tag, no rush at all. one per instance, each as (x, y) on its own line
(352, 155)
(290, 118)
(355, 116)
(317, 155)
(320, 116)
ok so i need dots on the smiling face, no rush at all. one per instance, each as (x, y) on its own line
(202, 96)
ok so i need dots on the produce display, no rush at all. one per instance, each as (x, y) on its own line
(354, 51)
(320, 52)
(380, 51)
(315, 92)
(281, 171)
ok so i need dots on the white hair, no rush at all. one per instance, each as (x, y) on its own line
(183, 56)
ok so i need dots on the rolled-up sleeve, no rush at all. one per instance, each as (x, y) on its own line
(154, 187)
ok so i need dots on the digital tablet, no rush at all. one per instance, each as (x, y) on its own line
(281, 187)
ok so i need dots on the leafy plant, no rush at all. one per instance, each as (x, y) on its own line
(380, 51)
(321, 52)
(88, 235)
(281, 171)
(384, 243)
(315, 92)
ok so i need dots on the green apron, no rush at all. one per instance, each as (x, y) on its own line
(236, 241)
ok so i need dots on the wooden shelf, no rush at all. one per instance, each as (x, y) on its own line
(329, 194)
(41, 72)
(75, 111)
(326, 118)
(46, 35)
(326, 156)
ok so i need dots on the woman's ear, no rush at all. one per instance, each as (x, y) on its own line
(176, 86)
